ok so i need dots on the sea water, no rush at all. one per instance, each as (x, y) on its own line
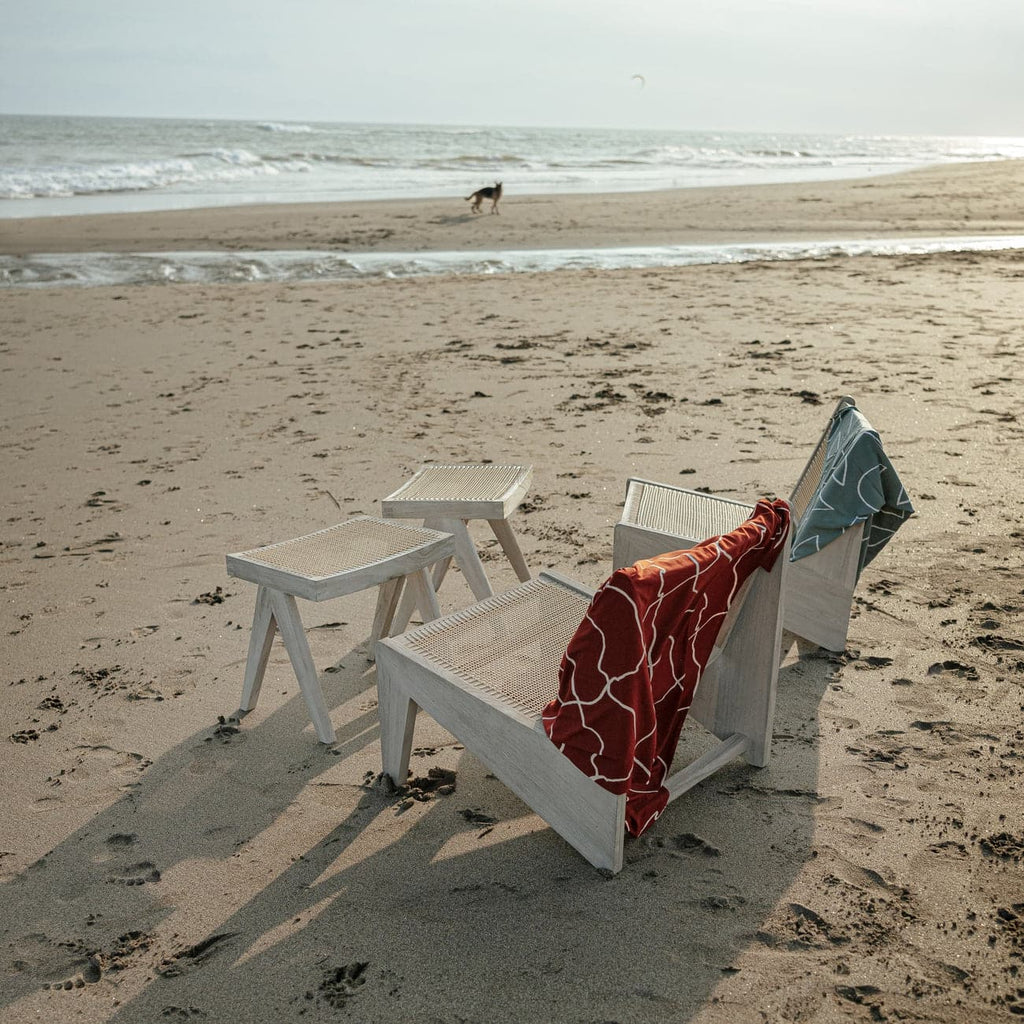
(97, 268)
(57, 165)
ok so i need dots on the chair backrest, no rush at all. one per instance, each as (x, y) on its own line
(855, 485)
(631, 669)
(731, 617)
(810, 478)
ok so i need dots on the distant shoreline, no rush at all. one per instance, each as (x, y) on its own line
(69, 166)
(970, 199)
(148, 202)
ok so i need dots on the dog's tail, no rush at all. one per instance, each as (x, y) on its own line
(468, 198)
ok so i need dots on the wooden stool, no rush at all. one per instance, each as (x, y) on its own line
(360, 553)
(446, 497)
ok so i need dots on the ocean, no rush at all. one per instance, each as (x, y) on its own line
(77, 165)
(58, 165)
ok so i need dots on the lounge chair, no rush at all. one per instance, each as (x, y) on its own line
(575, 699)
(847, 504)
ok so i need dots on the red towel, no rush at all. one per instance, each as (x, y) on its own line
(630, 672)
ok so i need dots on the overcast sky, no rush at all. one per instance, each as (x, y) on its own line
(885, 66)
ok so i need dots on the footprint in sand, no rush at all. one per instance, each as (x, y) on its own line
(194, 956)
(341, 983)
(137, 874)
(90, 973)
(113, 847)
(57, 964)
(122, 839)
(685, 842)
(1003, 846)
(957, 668)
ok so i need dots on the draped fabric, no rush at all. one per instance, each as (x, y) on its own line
(630, 672)
(858, 484)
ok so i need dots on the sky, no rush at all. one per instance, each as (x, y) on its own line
(859, 66)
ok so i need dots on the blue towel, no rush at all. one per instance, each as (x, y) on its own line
(858, 484)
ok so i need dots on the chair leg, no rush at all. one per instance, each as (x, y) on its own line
(397, 721)
(286, 613)
(467, 557)
(261, 637)
(509, 544)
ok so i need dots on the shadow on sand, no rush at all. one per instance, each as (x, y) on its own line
(391, 912)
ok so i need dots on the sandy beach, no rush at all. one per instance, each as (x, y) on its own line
(157, 865)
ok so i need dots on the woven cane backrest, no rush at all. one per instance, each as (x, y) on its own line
(810, 478)
(808, 483)
(681, 513)
(511, 645)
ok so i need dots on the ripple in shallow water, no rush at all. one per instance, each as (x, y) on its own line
(95, 269)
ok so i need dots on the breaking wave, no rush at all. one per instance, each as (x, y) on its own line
(93, 269)
(84, 165)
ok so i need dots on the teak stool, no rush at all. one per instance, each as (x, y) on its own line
(360, 553)
(446, 497)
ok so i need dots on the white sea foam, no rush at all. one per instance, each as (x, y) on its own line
(94, 165)
(290, 129)
(203, 169)
(92, 269)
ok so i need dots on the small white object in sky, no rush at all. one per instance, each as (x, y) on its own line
(640, 79)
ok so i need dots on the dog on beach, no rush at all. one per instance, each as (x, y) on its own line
(490, 192)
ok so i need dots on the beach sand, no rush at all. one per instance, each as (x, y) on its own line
(157, 865)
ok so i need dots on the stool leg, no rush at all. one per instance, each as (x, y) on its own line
(261, 637)
(467, 557)
(388, 594)
(404, 614)
(293, 634)
(419, 592)
(440, 571)
(426, 596)
(509, 544)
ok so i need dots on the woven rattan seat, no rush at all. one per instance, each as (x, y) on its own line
(448, 496)
(487, 673)
(360, 553)
(472, 491)
(338, 560)
(819, 589)
(510, 645)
